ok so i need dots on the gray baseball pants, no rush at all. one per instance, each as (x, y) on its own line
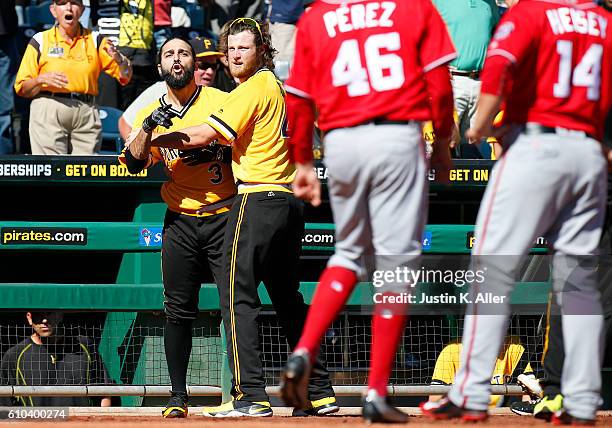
(550, 185)
(378, 192)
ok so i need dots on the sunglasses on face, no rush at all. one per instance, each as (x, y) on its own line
(201, 65)
(250, 22)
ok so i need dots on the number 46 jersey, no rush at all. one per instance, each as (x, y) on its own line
(365, 60)
(561, 65)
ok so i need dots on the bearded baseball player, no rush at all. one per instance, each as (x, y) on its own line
(550, 60)
(374, 70)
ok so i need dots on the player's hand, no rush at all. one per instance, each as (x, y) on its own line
(53, 79)
(213, 152)
(306, 185)
(441, 162)
(161, 116)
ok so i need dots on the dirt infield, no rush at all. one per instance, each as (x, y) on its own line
(275, 422)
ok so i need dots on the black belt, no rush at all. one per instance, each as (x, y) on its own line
(86, 98)
(379, 121)
(535, 129)
(470, 74)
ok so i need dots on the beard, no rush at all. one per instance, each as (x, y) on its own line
(244, 71)
(178, 82)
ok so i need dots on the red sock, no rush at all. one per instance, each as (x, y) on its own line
(388, 324)
(335, 286)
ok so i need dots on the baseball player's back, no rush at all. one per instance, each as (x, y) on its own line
(550, 60)
(363, 60)
(375, 70)
(560, 73)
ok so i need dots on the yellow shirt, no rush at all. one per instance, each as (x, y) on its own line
(447, 365)
(81, 61)
(254, 119)
(136, 29)
(191, 187)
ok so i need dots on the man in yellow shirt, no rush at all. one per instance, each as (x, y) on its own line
(511, 362)
(199, 194)
(265, 225)
(60, 70)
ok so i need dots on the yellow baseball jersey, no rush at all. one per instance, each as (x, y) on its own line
(191, 187)
(507, 362)
(81, 61)
(136, 29)
(254, 120)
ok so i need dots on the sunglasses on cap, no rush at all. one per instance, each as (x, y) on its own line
(201, 65)
(250, 22)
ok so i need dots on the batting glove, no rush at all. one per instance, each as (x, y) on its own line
(161, 116)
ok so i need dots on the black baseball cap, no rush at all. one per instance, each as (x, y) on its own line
(204, 46)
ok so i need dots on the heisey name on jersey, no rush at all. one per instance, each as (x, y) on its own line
(568, 20)
(358, 17)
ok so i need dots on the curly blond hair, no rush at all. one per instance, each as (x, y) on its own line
(262, 37)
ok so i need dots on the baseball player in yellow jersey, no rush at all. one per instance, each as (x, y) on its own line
(511, 361)
(265, 224)
(199, 195)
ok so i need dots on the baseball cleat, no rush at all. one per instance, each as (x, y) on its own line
(177, 406)
(562, 417)
(294, 380)
(321, 407)
(239, 408)
(444, 409)
(530, 385)
(523, 408)
(376, 409)
(547, 407)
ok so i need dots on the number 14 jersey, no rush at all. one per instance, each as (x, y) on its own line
(561, 65)
(365, 60)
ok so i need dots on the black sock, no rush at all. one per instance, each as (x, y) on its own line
(177, 344)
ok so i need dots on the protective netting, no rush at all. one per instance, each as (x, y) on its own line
(131, 348)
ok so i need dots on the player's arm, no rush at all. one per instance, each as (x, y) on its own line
(495, 77)
(188, 138)
(301, 116)
(139, 141)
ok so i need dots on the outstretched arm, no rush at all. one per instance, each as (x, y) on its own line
(188, 138)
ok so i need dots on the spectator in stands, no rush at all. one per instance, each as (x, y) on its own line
(162, 14)
(136, 42)
(470, 24)
(49, 357)
(511, 362)
(219, 12)
(206, 66)
(9, 58)
(60, 70)
(283, 15)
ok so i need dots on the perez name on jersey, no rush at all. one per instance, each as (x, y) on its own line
(358, 17)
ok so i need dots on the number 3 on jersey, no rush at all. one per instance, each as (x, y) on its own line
(586, 74)
(348, 69)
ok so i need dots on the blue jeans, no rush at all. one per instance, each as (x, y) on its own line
(9, 58)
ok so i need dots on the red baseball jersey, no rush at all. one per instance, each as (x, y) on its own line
(365, 60)
(561, 71)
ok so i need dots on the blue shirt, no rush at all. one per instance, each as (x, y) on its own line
(470, 24)
(286, 11)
